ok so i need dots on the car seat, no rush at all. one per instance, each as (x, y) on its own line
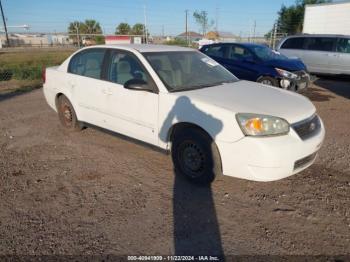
(166, 75)
(92, 68)
(123, 72)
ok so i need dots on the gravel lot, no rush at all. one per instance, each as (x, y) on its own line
(93, 193)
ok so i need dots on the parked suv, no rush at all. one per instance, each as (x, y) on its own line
(261, 64)
(325, 54)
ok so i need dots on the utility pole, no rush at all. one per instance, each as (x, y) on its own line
(254, 28)
(271, 35)
(250, 34)
(77, 31)
(145, 24)
(5, 27)
(274, 36)
(186, 27)
(217, 20)
(163, 34)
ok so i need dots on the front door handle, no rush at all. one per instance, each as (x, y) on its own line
(106, 91)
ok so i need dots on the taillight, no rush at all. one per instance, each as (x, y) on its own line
(43, 74)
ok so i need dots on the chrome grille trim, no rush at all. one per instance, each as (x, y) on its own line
(307, 128)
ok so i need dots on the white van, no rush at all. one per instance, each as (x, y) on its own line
(325, 54)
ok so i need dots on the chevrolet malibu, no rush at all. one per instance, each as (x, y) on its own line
(183, 102)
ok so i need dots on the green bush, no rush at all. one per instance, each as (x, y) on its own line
(27, 73)
(177, 41)
(21, 73)
(100, 40)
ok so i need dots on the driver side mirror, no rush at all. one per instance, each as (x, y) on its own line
(137, 85)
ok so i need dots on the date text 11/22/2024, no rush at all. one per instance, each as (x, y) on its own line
(173, 258)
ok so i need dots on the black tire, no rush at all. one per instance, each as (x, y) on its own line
(267, 80)
(67, 115)
(195, 156)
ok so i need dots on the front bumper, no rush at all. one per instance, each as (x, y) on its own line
(269, 158)
(299, 84)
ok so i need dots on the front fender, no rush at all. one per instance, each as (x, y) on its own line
(218, 122)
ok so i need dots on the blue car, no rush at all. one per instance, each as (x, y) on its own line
(259, 63)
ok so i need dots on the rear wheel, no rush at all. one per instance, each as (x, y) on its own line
(196, 156)
(267, 80)
(67, 115)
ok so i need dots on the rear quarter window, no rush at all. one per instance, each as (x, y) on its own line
(87, 63)
(343, 45)
(293, 43)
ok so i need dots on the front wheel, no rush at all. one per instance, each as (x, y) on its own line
(267, 80)
(196, 156)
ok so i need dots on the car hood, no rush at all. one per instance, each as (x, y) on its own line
(250, 97)
(287, 64)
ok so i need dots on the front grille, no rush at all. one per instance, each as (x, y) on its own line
(304, 161)
(308, 127)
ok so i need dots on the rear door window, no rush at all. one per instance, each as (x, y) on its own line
(87, 63)
(294, 43)
(343, 45)
(238, 53)
(321, 43)
(216, 51)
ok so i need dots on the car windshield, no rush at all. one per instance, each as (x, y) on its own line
(267, 54)
(188, 70)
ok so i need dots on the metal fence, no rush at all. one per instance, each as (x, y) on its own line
(47, 40)
(64, 40)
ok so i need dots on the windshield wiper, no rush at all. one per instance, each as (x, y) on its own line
(192, 87)
(228, 81)
(202, 86)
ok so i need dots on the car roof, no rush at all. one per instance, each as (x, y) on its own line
(238, 43)
(317, 35)
(143, 48)
(250, 44)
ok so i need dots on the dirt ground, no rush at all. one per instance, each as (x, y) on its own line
(94, 193)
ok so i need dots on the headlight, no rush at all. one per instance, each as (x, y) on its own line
(286, 74)
(262, 125)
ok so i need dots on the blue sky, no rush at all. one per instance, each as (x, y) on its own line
(233, 16)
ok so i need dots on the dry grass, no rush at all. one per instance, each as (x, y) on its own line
(25, 67)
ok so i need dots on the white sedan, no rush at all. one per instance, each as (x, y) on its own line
(180, 100)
